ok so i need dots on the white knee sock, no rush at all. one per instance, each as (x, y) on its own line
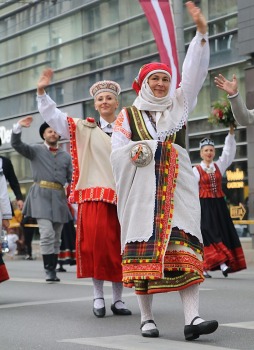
(223, 267)
(190, 300)
(98, 293)
(117, 288)
(145, 304)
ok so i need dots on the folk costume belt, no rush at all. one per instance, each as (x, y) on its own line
(51, 185)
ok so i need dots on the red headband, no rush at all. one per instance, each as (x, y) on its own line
(145, 70)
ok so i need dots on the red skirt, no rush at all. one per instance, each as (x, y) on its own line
(3, 271)
(221, 242)
(98, 249)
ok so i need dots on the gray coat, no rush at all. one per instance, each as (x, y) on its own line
(242, 115)
(45, 203)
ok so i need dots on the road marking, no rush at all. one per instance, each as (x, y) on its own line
(39, 280)
(78, 282)
(245, 325)
(59, 301)
(134, 342)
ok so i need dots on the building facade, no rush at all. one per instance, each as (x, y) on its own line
(89, 40)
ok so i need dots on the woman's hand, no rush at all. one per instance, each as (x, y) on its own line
(44, 80)
(231, 87)
(197, 17)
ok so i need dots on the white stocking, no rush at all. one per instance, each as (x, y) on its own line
(98, 293)
(190, 300)
(117, 288)
(145, 304)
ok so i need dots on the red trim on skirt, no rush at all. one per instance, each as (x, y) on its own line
(4, 276)
(217, 253)
(98, 250)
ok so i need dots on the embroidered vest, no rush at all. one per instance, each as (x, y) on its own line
(210, 184)
(92, 176)
(139, 130)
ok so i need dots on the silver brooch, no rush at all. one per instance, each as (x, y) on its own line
(141, 155)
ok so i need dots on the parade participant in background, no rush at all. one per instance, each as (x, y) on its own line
(222, 247)
(67, 254)
(5, 216)
(158, 204)
(98, 250)
(242, 114)
(9, 173)
(46, 201)
(29, 228)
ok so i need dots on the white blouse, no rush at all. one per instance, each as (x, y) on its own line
(194, 72)
(58, 119)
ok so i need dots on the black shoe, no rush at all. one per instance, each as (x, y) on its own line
(151, 333)
(121, 312)
(51, 276)
(99, 312)
(52, 279)
(206, 274)
(192, 332)
(60, 269)
(225, 272)
(28, 257)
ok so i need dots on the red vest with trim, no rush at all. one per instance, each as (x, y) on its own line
(210, 183)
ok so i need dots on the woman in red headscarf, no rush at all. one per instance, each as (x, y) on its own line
(158, 203)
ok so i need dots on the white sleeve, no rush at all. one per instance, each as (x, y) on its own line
(196, 173)
(195, 68)
(17, 128)
(5, 206)
(121, 133)
(53, 116)
(228, 153)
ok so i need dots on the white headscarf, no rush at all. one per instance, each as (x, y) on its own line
(171, 112)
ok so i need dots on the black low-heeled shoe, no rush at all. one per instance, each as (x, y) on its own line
(206, 274)
(225, 272)
(150, 333)
(192, 332)
(99, 312)
(60, 269)
(120, 312)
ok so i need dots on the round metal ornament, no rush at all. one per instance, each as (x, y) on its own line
(141, 155)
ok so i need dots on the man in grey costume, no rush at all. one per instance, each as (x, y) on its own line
(46, 200)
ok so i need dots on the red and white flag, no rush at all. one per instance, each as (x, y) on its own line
(160, 18)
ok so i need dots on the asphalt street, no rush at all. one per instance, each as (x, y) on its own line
(58, 316)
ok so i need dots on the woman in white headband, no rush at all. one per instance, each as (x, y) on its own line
(98, 253)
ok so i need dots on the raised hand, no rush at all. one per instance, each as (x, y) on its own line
(230, 87)
(197, 16)
(44, 80)
(26, 121)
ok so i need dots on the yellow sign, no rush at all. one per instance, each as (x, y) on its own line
(237, 212)
(235, 178)
(236, 175)
(235, 184)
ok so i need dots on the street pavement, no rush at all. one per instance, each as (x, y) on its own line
(58, 316)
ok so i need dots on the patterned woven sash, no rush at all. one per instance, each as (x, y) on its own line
(151, 253)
